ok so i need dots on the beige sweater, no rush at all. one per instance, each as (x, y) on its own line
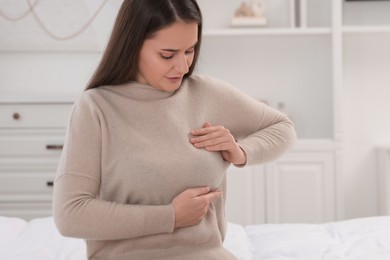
(127, 155)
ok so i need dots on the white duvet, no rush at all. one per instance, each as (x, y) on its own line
(356, 239)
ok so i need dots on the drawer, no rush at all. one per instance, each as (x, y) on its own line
(34, 115)
(28, 187)
(26, 211)
(29, 164)
(36, 143)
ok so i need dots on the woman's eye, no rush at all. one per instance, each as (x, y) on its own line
(190, 51)
(166, 57)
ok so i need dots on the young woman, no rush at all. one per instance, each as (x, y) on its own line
(143, 170)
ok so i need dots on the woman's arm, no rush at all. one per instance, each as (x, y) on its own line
(77, 209)
(242, 127)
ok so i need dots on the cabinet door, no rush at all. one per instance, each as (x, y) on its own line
(300, 188)
(245, 202)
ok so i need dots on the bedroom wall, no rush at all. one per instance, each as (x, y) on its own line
(367, 106)
(60, 67)
(367, 118)
(45, 73)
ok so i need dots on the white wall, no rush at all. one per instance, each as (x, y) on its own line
(367, 118)
(33, 63)
(294, 70)
(43, 73)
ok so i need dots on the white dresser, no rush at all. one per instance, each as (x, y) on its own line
(31, 139)
(299, 187)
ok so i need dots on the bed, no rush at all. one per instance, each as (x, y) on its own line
(357, 239)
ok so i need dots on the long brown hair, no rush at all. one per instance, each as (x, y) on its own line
(138, 20)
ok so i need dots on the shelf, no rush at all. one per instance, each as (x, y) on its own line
(292, 31)
(267, 31)
(366, 29)
(32, 99)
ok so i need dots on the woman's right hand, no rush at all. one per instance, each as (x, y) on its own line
(192, 205)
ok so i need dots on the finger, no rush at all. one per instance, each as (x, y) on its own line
(195, 192)
(207, 137)
(223, 135)
(214, 142)
(219, 147)
(207, 124)
(213, 195)
(206, 130)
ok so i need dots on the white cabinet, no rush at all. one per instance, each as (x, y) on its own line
(31, 139)
(245, 203)
(299, 187)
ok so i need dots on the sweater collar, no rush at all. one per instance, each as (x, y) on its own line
(142, 92)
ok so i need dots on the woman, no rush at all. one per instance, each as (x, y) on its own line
(142, 173)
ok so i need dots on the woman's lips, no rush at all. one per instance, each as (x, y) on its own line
(174, 79)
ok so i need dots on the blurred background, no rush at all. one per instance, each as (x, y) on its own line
(325, 63)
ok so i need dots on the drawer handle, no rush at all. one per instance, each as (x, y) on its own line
(49, 183)
(54, 147)
(16, 116)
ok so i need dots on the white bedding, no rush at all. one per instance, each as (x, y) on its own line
(356, 239)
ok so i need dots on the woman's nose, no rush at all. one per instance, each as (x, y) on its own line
(181, 64)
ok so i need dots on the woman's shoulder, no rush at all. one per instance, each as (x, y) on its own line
(211, 84)
(201, 79)
(208, 82)
(89, 98)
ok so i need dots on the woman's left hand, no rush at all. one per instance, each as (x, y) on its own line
(218, 138)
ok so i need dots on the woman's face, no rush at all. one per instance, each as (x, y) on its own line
(166, 57)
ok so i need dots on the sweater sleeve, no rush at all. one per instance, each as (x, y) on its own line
(261, 131)
(77, 209)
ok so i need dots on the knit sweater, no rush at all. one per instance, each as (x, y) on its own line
(127, 155)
